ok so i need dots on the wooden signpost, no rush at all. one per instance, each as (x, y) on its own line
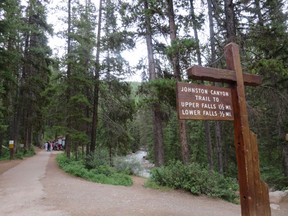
(214, 103)
(11, 149)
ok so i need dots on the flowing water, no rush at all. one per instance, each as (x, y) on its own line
(145, 166)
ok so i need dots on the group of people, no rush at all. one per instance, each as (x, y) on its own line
(55, 145)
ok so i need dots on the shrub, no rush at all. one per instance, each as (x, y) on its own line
(275, 178)
(197, 180)
(5, 154)
(103, 174)
(19, 154)
(96, 159)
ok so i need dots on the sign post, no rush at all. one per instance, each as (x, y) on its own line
(197, 102)
(11, 148)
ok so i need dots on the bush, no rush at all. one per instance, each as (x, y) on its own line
(96, 159)
(197, 180)
(103, 174)
(275, 178)
(20, 154)
(5, 154)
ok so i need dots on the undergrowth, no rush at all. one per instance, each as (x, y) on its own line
(19, 154)
(197, 180)
(103, 174)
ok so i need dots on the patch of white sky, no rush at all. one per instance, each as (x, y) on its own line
(56, 17)
(58, 44)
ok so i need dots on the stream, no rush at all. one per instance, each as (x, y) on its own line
(145, 165)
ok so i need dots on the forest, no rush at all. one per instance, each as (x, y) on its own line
(82, 93)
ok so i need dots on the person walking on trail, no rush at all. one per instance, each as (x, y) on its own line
(49, 146)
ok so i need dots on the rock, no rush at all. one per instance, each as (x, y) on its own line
(274, 206)
(286, 196)
(277, 196)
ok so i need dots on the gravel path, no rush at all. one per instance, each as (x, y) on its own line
(37, 186)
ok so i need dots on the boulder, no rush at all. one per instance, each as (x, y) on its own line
(277, 196)
(274, 206)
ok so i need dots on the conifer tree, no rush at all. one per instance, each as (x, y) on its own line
(34, 74)
(10, 61)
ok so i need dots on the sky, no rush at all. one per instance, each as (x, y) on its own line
(58, 44)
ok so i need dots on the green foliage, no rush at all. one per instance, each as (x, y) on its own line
(102, 174)
(98, 158)
(182, 47)
(196, 180)
(5, 154)
(172, 147)
(159, 91)
(20, 153)
(152, 184)
(274, 178)
(116, 110)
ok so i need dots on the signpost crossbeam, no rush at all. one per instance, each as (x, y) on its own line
(221, 75)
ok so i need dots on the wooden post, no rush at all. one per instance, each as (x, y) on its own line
(254, 195)
(11, 149)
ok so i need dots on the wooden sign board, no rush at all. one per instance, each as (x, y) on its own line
(11, 144)
(200, 102)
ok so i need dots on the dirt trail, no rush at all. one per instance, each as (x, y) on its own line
(37, 186)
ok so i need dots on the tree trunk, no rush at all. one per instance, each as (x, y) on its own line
(96, 85)
(230, 21)
(219, 146)
(231, 37)
(177, 74)
(209, 147)
(24, 94)
(258, 12)
(156, 109)
(1, 143)
(285, 159)
(86, 146)
(88, 130)
(68, 94)
(158, 135)
(199, 60)
(211, 30)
